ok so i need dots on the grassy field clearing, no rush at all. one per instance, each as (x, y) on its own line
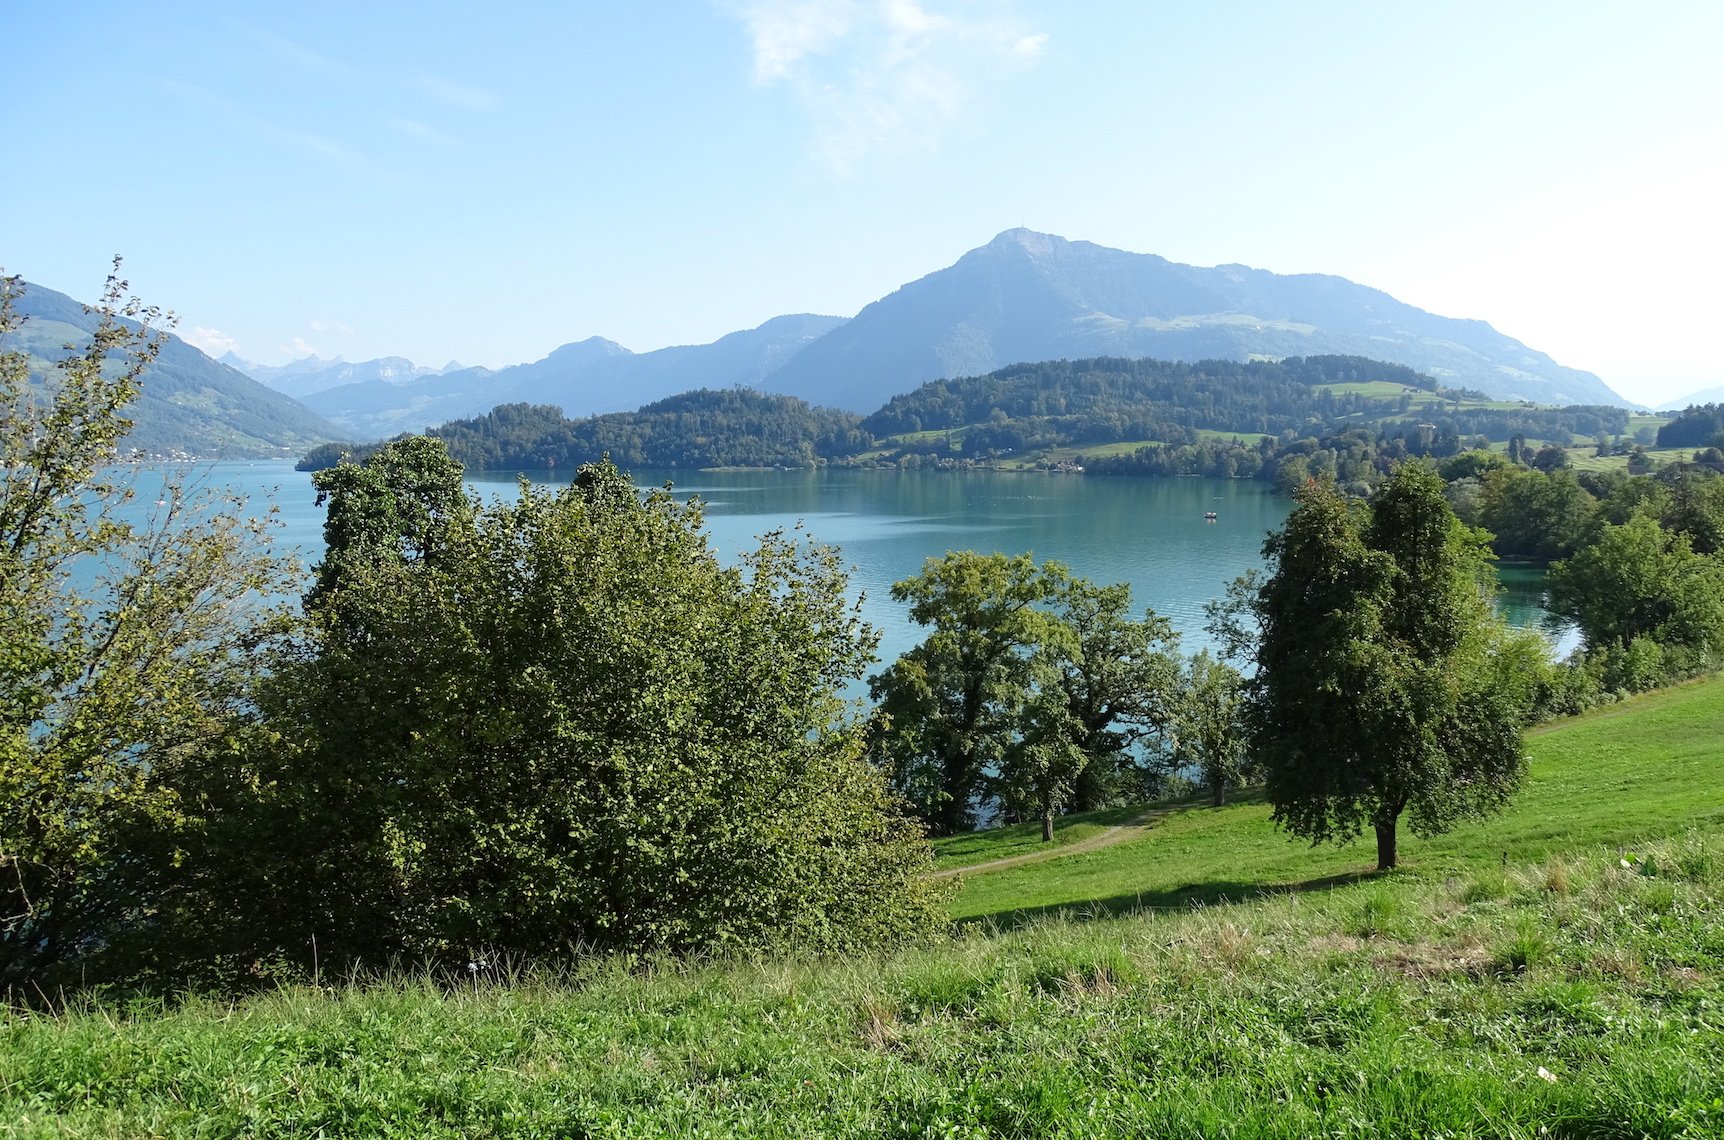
(1574, 991)
(1669, 775)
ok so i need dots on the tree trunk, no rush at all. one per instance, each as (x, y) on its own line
(1218, 793)
(1048, 824)
(1386, 844)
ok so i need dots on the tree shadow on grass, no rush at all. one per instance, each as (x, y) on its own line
(1186, 896)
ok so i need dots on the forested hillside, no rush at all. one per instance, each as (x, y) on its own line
(733, 427)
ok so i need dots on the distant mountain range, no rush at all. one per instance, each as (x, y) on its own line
(1025, 296)
(190, 404)
(585, 378)
(1704, 396)
(301, 378)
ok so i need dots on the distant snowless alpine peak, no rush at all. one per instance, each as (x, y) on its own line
(1024, 296)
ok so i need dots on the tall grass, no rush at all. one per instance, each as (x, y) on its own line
(1399, 1007)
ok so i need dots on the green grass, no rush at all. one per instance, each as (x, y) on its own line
(1581, 1003)
(1667, 775)
(1025, 838)
(1585, 458)
(1576, 990)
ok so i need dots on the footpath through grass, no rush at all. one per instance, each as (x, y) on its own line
(1575, 992)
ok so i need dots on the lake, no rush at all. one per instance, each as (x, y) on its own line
(1151, 533)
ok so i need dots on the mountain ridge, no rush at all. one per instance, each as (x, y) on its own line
(189, 403)
(1029, 296)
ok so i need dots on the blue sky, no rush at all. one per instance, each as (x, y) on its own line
(442, 181)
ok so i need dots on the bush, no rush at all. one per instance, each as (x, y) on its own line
(563, 723)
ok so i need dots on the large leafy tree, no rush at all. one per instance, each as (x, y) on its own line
(563, 721)
(1121, 680)
(951, 707)
(1378, 690)
(132, 618)
(1030, 693)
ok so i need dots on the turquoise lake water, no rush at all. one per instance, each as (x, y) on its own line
(1149, 532)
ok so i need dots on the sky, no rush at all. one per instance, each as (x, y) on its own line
(483, 183)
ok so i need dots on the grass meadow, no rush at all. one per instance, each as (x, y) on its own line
(1552, 972)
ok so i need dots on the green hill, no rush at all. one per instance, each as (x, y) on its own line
(1555, 972)
(190, 404)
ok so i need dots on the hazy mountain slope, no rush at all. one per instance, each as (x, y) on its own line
(585, 378)
(623, 383)
(1027, 296)
(189, 403)
(1704, 396)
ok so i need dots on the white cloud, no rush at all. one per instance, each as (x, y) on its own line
(297, 349)
(321, 326)
(785, 32)
(1030, 46)
(876, 74)
(214, 342)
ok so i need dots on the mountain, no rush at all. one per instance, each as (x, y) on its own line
(301, 378)
(585, 378)
(1694, 399)
(189, 403)
(1027, 296)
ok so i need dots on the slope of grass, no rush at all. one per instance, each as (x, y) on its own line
(975, 847)
(1570, 997)
(1589, 781)
(1577, 991)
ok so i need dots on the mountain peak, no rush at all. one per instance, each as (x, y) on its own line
(1029, 296)
(593, 348)
(1030, 241)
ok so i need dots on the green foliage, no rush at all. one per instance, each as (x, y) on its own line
(129, 643)
(562, 723)
(1639, 580)
(1378, 690)
(1700, 425)
(952, 707)
(1532, 514)
(1209, 726)
(1120, 679)
(727, 428)
(1030, 694)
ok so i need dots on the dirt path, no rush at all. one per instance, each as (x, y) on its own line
(1120, 833)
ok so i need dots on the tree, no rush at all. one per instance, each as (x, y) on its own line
(951, 707)
(1639, 580)
(1208, 726)
(562, 721)
(130, 638)
(1121, 681)
(1041, 763)
(1534, 515)
(1033, 690)
(1377, 691)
